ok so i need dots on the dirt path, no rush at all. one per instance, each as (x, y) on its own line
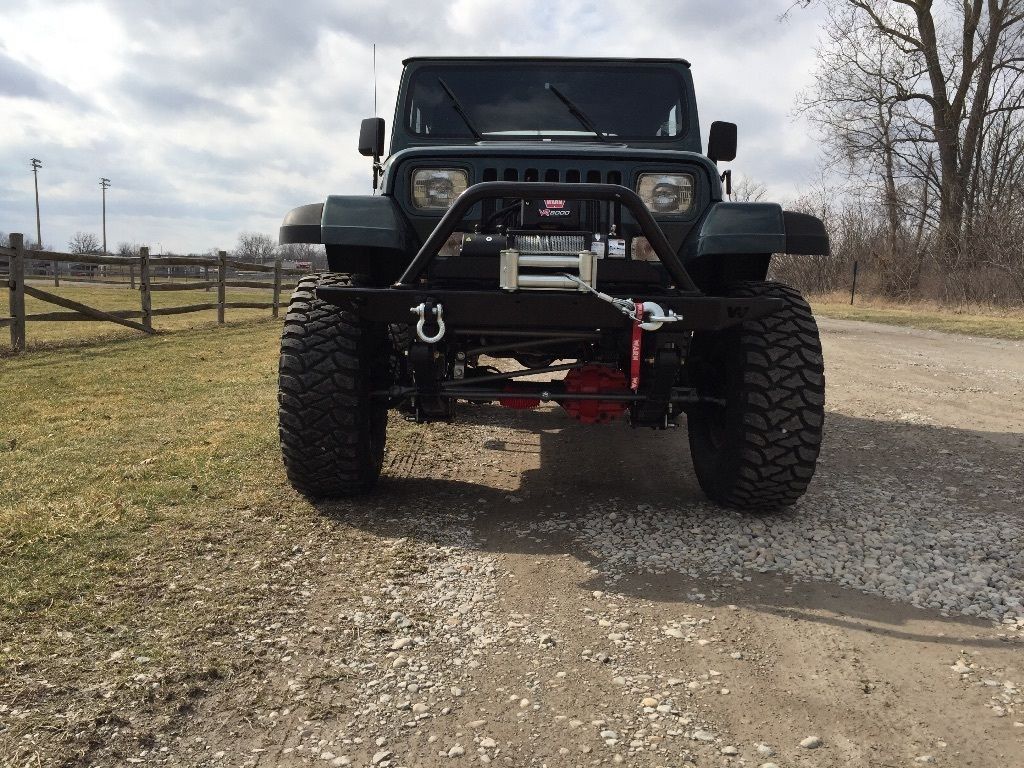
(527, 591)
(509, 640)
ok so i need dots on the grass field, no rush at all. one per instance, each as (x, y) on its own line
(104, 444)
(134, 473)
(145, 521)
(972, 321)
(113, 297)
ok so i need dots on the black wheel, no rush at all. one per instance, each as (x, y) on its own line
(332, 432)
(758, 451)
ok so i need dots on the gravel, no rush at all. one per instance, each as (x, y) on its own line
(419, 634)
(911, 544)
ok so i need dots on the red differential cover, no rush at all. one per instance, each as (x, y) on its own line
(593, 380)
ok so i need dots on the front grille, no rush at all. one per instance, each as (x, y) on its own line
(566, 175)
(567, 172)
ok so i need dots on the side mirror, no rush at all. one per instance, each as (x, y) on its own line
(371, 137)
(722, 141)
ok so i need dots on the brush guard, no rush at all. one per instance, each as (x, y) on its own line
(533, 190)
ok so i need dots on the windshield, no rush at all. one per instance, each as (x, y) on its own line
(517, 101)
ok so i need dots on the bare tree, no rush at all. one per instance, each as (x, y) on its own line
(255, 247)
(746, 190)
(84, 242)
(956, 56)
(855, 103)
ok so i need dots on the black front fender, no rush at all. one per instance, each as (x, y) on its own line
(350, 221)
(806, 235)
(366, 222)
(302, 224)
(730, 229)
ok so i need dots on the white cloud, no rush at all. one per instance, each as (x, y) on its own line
(211, 120)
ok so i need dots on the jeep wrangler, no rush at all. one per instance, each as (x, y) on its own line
(542, 216)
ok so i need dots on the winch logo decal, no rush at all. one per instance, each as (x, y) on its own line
(554, 208)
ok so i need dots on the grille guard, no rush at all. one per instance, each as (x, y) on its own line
(535, 190)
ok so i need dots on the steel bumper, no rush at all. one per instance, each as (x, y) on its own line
(547, 310)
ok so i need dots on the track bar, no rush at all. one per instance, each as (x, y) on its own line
(471, 393)
(556, 394)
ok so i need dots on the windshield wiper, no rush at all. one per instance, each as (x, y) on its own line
(457, 106)
(576, 112)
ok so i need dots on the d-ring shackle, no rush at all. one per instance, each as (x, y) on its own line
(421, 312)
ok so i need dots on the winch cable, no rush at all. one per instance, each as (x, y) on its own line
(650, 319)
(627, 307)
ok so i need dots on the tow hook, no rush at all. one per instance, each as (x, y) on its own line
(436, 313)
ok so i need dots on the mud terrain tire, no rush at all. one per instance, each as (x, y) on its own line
(758, 452)
(332, 433)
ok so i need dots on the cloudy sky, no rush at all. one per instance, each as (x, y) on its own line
(212, 118)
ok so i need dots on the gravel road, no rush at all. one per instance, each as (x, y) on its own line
(526, 591)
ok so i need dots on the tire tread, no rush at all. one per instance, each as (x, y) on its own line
(781, 394)
(332, 437)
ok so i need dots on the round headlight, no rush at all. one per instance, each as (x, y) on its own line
(666, 192)
(435, 189)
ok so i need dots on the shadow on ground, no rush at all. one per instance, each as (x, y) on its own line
(568, 469)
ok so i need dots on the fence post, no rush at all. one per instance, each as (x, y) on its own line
(222, 276)
(131, 275)
(206, 277)
(277, 285)
(56, 270)
(144, 293)
(853, 288)
(16, 291)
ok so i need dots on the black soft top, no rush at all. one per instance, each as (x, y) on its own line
(607, 59)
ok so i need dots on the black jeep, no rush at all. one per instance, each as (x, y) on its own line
(560, 214)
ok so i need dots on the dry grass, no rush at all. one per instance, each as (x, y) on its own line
(44, 335)
(146, 528)
(102, 441)
(969, 320)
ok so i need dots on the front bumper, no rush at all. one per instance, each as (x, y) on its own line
(468, 311)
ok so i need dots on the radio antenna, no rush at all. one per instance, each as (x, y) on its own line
(374, 79)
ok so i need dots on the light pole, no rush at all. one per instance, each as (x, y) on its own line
(36, 165)
(104, 185)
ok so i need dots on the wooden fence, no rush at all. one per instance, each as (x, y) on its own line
(138, 319)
